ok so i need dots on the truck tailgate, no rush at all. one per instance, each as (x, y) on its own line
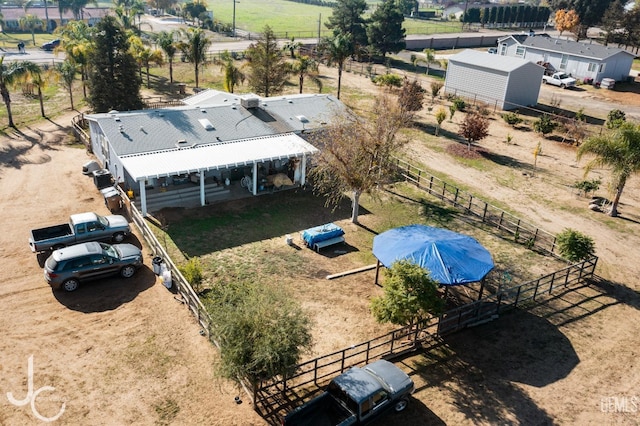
(321, 411)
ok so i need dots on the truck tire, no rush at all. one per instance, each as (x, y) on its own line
(563, 86)
(70, 285)
(401, 404)
(118, 237)
(544, 81)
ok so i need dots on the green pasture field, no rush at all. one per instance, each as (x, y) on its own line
(301, 20)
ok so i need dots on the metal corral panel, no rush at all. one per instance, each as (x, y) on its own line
(499, 81)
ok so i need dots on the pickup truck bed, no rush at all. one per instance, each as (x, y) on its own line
(49, 232)
(322, 411)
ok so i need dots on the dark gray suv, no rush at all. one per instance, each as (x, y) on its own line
(67, 267)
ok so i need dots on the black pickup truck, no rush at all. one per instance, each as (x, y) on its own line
(356, 397)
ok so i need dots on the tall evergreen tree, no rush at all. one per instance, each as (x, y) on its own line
(612, 20)
(113, 79)
(347, 18)
(268, 70)
(385, 30)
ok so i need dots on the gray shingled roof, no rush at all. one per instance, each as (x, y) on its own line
(585, 50)
(160, 129)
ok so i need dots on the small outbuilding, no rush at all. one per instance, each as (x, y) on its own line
(500, 81)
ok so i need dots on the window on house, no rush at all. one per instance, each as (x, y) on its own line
(601, 68)
(503, 49)
(592, 67)
(520, 51)
(563, 62)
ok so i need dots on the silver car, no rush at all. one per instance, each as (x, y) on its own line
(69, 266)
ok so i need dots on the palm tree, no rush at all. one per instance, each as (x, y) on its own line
(67, 71)
(148, 55)
(618, 149)
(304, 66)
(77, 46)
(430, 58)
(232, 74)
(31, 23)
(291, 46)
(29, 3)
(35, 76)
(195, 49)
(168, 45)
(10, 75)
(336, 50)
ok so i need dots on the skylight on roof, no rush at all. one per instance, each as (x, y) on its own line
(302, 118)
(206, 124)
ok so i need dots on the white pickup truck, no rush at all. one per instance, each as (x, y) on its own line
(559, 79)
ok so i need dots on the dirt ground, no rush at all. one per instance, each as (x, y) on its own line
(132, 354)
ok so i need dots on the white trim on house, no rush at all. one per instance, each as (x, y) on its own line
(216, 156)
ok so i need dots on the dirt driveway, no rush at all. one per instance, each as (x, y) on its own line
(114, 352)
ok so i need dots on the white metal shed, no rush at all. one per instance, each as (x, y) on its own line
(502, 82)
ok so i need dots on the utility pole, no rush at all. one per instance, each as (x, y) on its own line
(234, 18)
(319, 23)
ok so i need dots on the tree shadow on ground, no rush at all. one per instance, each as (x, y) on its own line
(480, 368)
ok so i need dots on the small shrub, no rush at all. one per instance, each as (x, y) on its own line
(459, 104)
(388, 80)
(512, 118)
(545, 125)
(616, 118)
(574, 245)
(587, 186)
(192, 272)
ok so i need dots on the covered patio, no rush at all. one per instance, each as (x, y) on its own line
(257, 165)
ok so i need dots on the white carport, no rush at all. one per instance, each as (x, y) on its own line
(201, 158)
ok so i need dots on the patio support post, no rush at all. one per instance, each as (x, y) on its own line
(255, 179)
(202, 192)
(303, 170)
(143, 198)
(377, 271)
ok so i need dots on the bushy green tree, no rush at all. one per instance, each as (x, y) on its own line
(348, 18)
(575, 246)
(268, 70)
(261, 331)
(113, 78)
(410, 295)
(384, 30)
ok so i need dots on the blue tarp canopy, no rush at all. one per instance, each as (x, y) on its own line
(451, 258)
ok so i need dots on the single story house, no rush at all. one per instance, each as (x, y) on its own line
(500, 81)
(13, 14)
(581, 60)
(217, 136)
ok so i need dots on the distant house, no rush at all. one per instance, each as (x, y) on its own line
(215, 137)
(13, 14)
(502, 82)
(581, 60)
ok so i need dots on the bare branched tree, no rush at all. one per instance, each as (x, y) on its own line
(356, 156)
